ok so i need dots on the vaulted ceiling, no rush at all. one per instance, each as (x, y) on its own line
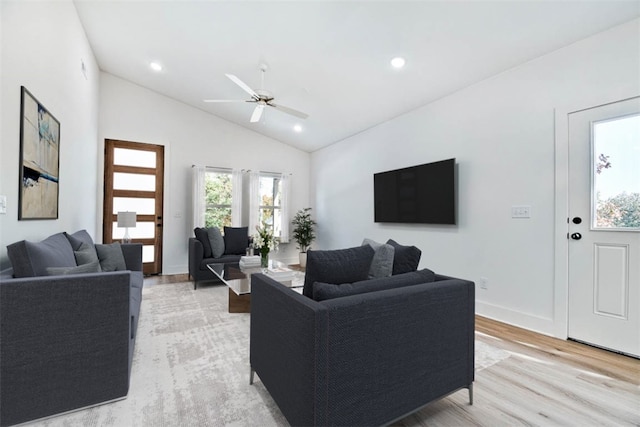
(330, 59)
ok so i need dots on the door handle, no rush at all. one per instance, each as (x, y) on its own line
(576, 236)
(577, 220)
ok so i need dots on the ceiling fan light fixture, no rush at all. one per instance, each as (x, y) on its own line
(155, 66)
(398, 62)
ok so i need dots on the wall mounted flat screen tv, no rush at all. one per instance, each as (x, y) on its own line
(423, 194)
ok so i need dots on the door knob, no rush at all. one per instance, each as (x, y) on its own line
(576, 236)
(577, 220)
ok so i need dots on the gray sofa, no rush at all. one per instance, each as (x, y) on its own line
(210, 247)
(66, 340)
(362, 358)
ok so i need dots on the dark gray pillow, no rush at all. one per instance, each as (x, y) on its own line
(405, 258)
(111, 258)
(217, 242)
(79, 237)
(337, 266)
(203, 237)
(30, 259)
(323, 291)
(236, 240)
(382, 264)
(86, 254)
(92, 267)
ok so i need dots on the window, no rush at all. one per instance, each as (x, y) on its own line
(616, 177)
(218, 195)
(271, 203)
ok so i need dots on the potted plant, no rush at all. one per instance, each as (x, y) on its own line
(303, 233)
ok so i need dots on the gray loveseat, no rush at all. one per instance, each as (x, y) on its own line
(66, 340)
(367, 358)
(210, 247)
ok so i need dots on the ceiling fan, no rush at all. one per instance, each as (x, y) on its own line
(263, 98)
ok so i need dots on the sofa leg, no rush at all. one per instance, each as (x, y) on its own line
(251, 376)
(470, 394)
(195, 284)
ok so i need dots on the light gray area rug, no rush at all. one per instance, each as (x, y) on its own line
(191, 367)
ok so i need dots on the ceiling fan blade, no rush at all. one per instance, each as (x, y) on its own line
(289, 111)
(243, 85)
(223, 100)
(257, 113)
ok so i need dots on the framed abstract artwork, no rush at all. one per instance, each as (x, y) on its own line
(39, 160)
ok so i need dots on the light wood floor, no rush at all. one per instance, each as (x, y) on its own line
(544, 382)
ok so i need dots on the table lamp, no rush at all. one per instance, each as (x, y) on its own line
(126, 219)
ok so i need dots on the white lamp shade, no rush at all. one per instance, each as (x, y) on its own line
(126, 219)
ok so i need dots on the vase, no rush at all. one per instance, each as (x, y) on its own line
(303, 259)
(264, 259)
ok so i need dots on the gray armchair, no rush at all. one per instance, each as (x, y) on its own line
(366, 359)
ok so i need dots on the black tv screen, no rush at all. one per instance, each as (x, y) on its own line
(423, 194)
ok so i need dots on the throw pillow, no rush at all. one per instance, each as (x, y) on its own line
(30, 259)
(382, 264)
(236, 240)
(79, 237)
(405, 258)
(337, 266)
(203, 237)
(217, 242)
(324, 291)
(86, 254)
(92, 267)
(111, 258)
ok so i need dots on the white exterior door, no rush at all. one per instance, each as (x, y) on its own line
(604, 226)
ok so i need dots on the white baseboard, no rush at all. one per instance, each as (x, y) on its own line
(175, 269)
(533, 323)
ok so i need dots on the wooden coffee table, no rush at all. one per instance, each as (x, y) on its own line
(239, 282)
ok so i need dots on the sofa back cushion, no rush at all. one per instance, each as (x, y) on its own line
(236, 240)
(30, 259)
(111, 257)
(203, 238)
(337, 266)
(78, 238)
(405, 258)
(324, 291)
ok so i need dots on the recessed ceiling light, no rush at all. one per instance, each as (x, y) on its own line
(297, 128)
(398, 62)
(155, 66)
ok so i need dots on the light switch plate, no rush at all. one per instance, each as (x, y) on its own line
(3, 204)
(520, 211)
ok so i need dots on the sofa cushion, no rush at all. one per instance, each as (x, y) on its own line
(203, 237)
(382, 264)
(76, 239)
(324, 291)
(111, 258)
(91, 267)
(216, 241)
(86, 254)
(337, 266)
(405, 258)
(30, 259)
(236, 240)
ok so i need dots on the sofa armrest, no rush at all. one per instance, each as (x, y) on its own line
(408, 345)
(65, 342)
(196, 255)
(132, 253)
(286, 346)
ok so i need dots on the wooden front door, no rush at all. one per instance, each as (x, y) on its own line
(133, 181)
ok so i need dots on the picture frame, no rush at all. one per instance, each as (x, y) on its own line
(39, 160)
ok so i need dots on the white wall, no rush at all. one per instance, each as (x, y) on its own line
(190, 136)
(501, 131)
(43, 44)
